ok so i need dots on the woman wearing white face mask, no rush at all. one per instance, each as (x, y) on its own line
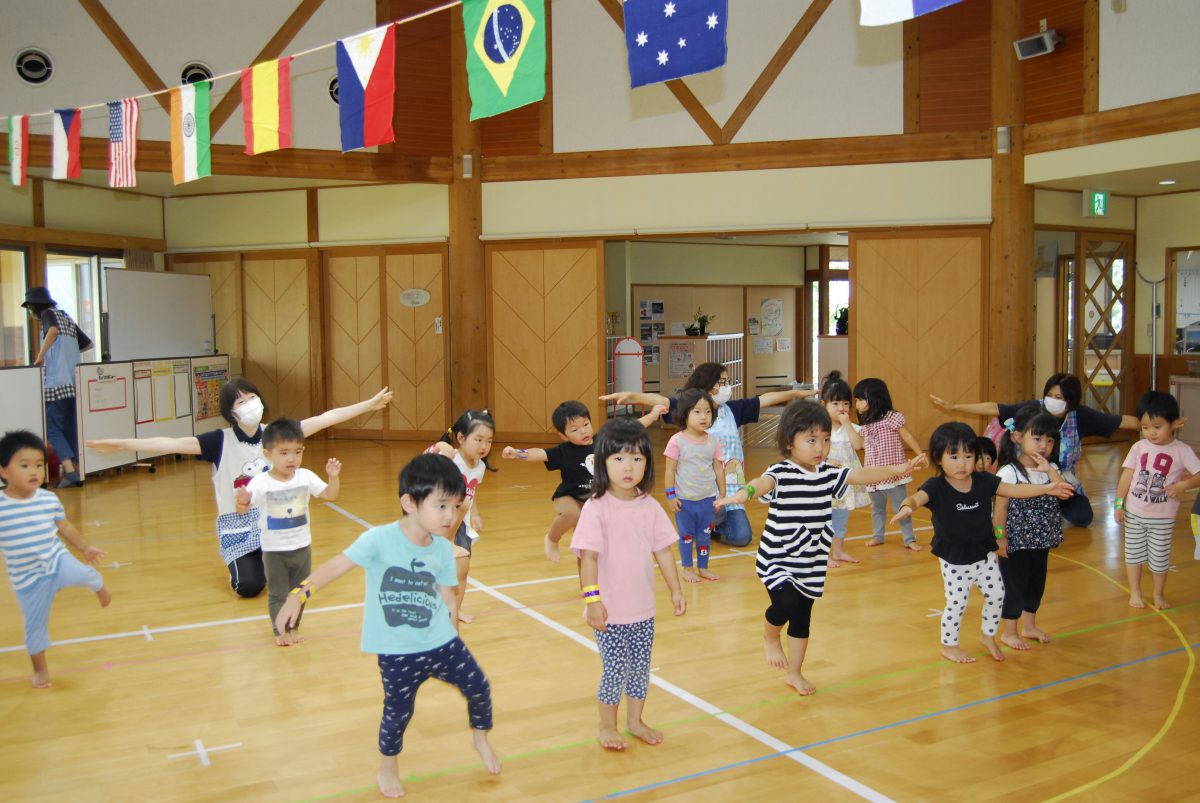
(732, 525)
(236, 455)
(1061, 398)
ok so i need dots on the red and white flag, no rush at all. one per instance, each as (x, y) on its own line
(122, 142)
(65, 139)
(18, 148)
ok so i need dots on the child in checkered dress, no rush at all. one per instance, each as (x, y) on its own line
(884, 436)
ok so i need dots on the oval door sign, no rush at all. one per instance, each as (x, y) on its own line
(414, 298)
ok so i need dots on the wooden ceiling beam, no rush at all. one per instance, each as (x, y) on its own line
(1127, 122)
(125, 47)
(155, 156)
(748, 156)
(272, 50)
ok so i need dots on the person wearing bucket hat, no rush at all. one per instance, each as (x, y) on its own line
(62, 342)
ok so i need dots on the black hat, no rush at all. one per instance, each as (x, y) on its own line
(38, 295)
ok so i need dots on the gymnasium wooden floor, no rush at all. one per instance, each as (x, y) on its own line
(176, 691)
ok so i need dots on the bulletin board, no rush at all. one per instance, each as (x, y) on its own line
(104, 404)
(21, 405)
(678, 308)
(208, 375)
(162, 399)
(770, 324)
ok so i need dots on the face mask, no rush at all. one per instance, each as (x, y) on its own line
(1054, 406)
(723, 394)
(249, 413)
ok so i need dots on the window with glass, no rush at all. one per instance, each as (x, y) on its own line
(75, 281)
(14, 320)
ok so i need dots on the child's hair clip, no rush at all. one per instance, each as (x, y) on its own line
(1010, 424)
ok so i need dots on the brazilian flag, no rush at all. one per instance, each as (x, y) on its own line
(506, 54)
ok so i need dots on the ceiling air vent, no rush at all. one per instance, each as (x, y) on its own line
(333, 89)
(194, 72)
(34, 66)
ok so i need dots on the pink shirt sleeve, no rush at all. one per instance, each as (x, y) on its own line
(672, 450)
(897, 420)
(664, 532)
(1191, 463)
(588, 531)
(1131, 459)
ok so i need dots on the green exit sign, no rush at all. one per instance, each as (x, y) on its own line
(1095, 203)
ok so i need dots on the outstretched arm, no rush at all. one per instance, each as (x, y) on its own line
(529, 455)
(659, 411)
(1024, 490)
(632, 397)
(775, 398)
(910, 503)
(757, 487)
(188, 445)
(340, 415)
(874, 474)
(975, 408)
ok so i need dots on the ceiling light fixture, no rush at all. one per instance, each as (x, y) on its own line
(1167, 182)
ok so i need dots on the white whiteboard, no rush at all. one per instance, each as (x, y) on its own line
(21, 405)
(104, 401)
(152, 314)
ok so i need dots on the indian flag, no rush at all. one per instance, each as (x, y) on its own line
(190, 157)
(267, 105)
(18, 148)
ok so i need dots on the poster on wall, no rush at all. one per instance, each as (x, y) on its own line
(678, 328)
(771, 312)
(650, 309)
(651, 355)
(681, 363)
(752, 326)
(660, 330)
(783, 344)
(764, 345)
(646, 333)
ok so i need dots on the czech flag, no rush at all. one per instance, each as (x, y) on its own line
(267, 105)
(66, 144)
(886, 12)
(18, 148)
(366, 72)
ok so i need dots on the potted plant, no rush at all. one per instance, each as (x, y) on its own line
(701, 321)
(841, 321)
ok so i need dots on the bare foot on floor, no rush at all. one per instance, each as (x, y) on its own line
(775, 657)
(843, 557)
(551, 549)
(1161, 603)
(297, 638)
(41, 680)
(1136, 602)
(689, 576)
(491, 759)
(913, 546)
(388, 778)
(465, 618)
(833, 564)
(801, 685)
(1013, 641)
(875, 542)
(1036, 634)
(104, 595)
(707, 575)
(989, 643)
(283, 640)
(610, 738)
(957, 654)
(646, 733)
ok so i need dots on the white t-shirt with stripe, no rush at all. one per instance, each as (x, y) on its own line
(29, 536)
(795, 543)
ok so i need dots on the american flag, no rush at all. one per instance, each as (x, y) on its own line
(122, 142)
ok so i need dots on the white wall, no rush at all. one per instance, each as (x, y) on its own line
(75, 207)
(16, 204)
(1164, 221)
(1063, 208)
(1148, 51)
(383, 213)
(237, 221)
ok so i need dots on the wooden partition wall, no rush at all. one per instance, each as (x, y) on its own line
(918, 308)
(278, 354)
(546, 339)
(225, 275)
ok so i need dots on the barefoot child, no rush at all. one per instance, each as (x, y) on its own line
(573, 460)
(884, 435)
(31, 522)
(696, 463)
(961, 501)
(467, 442)
(281, 497)
(844, 443)
(1028, 528)
(410, 610)
(620, 530)
(794, 548)
(1157, 469)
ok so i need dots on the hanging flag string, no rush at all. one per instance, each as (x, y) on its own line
(238, 73)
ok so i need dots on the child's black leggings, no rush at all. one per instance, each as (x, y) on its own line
(1024, 573)
(790, 607)
(403, 675)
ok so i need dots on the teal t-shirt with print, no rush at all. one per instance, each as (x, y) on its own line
(403, 612)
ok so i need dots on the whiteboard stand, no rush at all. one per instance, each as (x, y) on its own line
(628, 375)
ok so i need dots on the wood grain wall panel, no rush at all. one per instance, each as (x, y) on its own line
(226, 282)
(1054, 83)
(422, 112)
(546, 334)
(354, 341)
(417, 371)
(954, 80)
(275, 295)
(917, 320)
(514, 133)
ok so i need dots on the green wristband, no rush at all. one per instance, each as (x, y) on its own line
(1119, 503)
(999, 529)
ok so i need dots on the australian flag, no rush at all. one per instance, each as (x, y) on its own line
(672, 38)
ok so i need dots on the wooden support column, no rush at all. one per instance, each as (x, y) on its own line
(1009, 299)
(467, 327)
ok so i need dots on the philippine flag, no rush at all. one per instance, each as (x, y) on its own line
(366, 86)
(886, 12)
(66, 144)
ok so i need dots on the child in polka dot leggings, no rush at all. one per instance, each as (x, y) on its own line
(964, 540)
(621, 528)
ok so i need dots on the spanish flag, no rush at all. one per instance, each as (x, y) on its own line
(267, 105)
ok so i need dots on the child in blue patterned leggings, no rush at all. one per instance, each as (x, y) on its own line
(410, 616)
(696, 463)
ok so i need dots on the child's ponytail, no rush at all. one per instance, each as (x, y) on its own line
(1029, 417)
(466, 424)
(835, 389)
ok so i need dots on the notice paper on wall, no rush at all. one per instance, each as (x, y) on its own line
(681, 362)
(783, 344)
(771, 311)
(764, 345)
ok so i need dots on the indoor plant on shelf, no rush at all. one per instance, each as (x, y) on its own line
(700, 323)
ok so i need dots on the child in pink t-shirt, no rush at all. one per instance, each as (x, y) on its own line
(1157, 469)
(620, 528)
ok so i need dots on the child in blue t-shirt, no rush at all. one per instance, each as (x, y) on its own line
(410, 616)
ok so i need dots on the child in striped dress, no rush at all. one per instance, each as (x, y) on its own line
(794, 550)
